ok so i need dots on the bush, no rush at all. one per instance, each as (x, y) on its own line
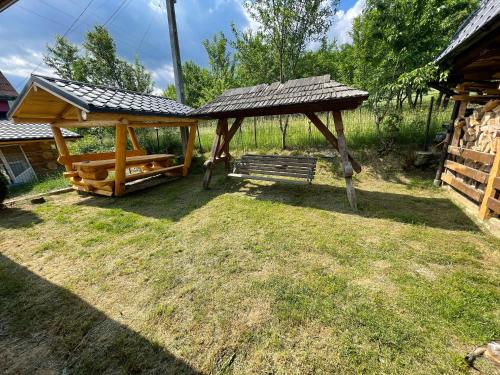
(4, 190)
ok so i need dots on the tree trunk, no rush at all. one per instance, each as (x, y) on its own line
(409, 96)
(439, 99)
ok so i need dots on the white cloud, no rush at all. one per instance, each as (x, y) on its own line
(157, 91)
(342, 25)
(155, 6)
(164, 75)
(252, 25)
(23, 65)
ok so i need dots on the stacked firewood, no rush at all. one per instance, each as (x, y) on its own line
(481, 128)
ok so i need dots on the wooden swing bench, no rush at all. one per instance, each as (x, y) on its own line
(275, 168)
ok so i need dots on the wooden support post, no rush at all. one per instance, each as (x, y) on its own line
(133, 139)
(490, 189)
(339, 128)
(229, 136)
(209, 164)
(189, 149)
(330, 137)
(224, 147)
(446, 142)
(120, 158)
(61, 146)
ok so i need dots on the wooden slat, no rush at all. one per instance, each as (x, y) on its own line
(99, 156)
(465, 153)
(130, 160)
(494, 205)
(277, 167)
(272, 173)
(262, 178)
(496, 183)
(464, 170)
(155, 172)
(308, 158)
(471, 192)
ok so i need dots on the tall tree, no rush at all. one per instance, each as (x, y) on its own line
(97, 62)
(289, 26)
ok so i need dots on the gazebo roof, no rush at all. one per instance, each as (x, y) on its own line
(95, 98)
(313, 94)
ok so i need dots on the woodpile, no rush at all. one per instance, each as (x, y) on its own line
(481, 129)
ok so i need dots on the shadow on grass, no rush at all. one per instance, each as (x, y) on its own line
(179, 198)
(47, 329)
(17, 218)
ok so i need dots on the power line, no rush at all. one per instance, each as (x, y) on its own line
(110, 18)
(65, 33)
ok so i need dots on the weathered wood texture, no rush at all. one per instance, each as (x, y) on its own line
(492, 188)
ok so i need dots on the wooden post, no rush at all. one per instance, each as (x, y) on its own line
(209, 164)
(255, 131)
(133, 139)
(428, 125)
(229, 135)
(61, 146)
(176, 59)
(120, 158)
(490, 188)
(331, 138)
(225, 145)
(339, 128)
(446, 142)
(189, 149)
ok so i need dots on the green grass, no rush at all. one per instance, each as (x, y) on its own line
(249, 278)
(42, 185)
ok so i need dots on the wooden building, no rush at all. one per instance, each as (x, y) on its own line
(27, 151)
(299, 96)
(70, 104)
(470, 163)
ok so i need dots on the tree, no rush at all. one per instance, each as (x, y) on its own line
(197, 81)
(289, 26)
(97, 62)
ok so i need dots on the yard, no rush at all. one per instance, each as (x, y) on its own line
(249, 278)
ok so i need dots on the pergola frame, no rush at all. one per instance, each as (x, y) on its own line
(223, 135)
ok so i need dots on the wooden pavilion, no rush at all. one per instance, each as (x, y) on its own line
(306, 96)
(70, 104)
(470, 162)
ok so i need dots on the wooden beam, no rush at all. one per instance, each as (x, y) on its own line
(188, 156)
(61, 146)
(490, 187)
(86, 124)
(230, 134)
(339, 128)
(466, 153)
(464, 170)
(133, 138)
(468, 190)
(330, 137)
(120, 157)
(136, 118)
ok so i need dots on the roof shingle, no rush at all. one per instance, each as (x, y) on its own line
(29, 132)
(7, 92)
(298, 91)
(97, 98)
(486, 13)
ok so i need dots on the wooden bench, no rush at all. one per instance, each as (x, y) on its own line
(296, 169)
(90, 175)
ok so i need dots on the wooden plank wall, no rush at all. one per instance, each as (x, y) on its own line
(474, 173)
(42, 157)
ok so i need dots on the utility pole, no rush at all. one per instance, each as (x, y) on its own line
(176, 60)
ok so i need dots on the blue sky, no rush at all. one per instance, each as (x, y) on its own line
(138, 26)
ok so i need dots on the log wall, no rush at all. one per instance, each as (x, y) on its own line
(42, 156)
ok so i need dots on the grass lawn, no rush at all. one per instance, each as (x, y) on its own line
(248, 278)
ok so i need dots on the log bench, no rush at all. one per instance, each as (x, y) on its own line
(90, 175)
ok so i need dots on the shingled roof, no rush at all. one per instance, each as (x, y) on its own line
(479, 21)
(29, 132)
(306, 94)
(96, 98)
(7, 92)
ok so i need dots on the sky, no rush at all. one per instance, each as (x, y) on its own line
(138, 27)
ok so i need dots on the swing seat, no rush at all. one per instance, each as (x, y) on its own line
(276, 168)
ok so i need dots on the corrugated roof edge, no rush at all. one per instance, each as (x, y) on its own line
(46, 83)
